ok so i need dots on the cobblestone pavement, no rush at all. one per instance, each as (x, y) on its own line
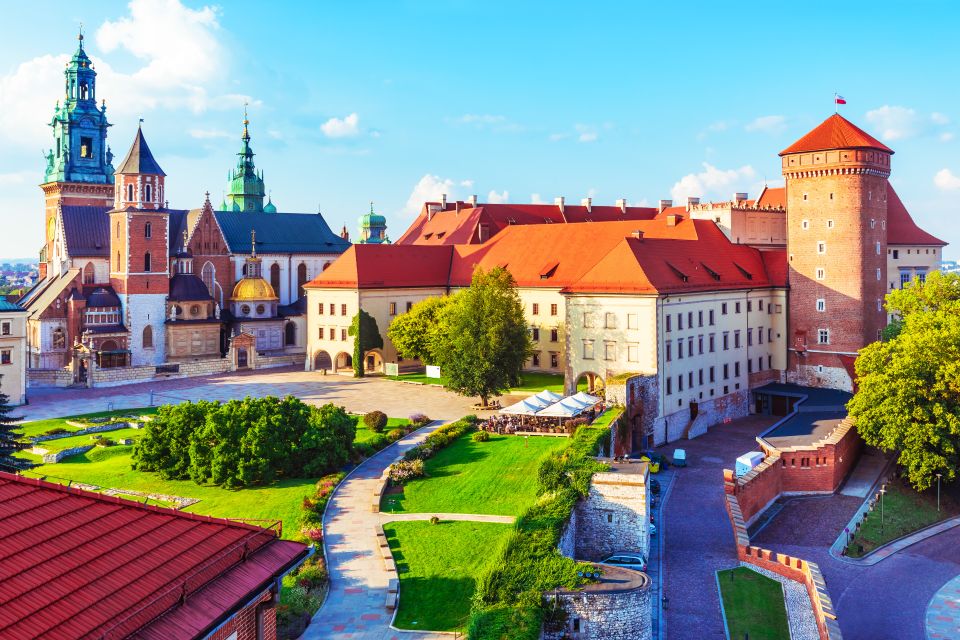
(357, 395)
(943, 612)
(699, 540)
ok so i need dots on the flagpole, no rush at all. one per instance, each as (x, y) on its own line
(836, 105)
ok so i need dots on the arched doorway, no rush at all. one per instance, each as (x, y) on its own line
(301, 279)
(344, 361)
(590, 382)
(373, 362)
(322, 361)
(242, 359)
(89, 275)
(290, 334)
(275, 277)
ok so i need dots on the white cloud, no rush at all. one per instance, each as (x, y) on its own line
(535, 199)
(946, 136)
(429, 189)
(498, 198)
(767, 124)
(487, 121)
(945, 180)
(894, 123)
(555, 137)
(711, 182)
(208, 134)
(179, 63)
(939, 118)
(347, 127)
(586, 133)
(18, 177)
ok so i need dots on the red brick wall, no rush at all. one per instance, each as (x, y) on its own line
(73, 194)
(132, 244)
(847, 187)
(764, 485)
(207, 244)
(245, 621)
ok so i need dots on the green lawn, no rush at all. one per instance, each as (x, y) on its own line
(438, 566)
(365, 434)
(497, 477)
(78, 441)
(904, 511)
(753, 605)
(529, 382)
(38, 427)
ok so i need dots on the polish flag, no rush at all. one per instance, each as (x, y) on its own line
(839, 99)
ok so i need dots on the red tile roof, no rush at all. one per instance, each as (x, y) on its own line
(76, 564)
(836, 132)
(775, 197)
(459, 223)
(901, 229)
(378, 266)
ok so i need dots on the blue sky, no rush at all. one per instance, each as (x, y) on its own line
(396, 102)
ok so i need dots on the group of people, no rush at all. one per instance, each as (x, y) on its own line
(507, 424)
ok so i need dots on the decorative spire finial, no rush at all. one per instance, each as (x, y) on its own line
(371, 206)
(184, 240)
(253, 243)
(80, 35)
(246, 121)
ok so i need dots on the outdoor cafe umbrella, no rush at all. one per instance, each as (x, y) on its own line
(586, 398)
(566, 408)
(526, 407)
(549, 396)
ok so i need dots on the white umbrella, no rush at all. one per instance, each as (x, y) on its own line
(526, 407)
(549, 396)
(587, 399)
(566, 408)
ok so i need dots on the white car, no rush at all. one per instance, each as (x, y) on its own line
(627, 560)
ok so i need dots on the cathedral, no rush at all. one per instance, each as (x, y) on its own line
(131, 288)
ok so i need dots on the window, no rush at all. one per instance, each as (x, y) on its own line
(343, 334)
(904, 278)
(554, 361)
(711, 318)
(536, 309)
(712, 374)
(587, 320)
(821, 304)
(769, 362)
(736, 369)
(806, 223)
(700, 376)
(760, 335)
(680, 383)
(611, 321)
(320, 307)
(736, 339)
(821, 247)
(690, 346)
(878, 248)
(879, 275)
(333, 309)
(679, 349)
(669, 323)
(260, 309)
(726, 372)
(669, 386)
(147, 192)
(86, 144)
(921, 276)
(726, 340)
(554, 335)
(699, 318)
(275, 277)
(723, 309)
(320, 333)
(830, 222)
(409, 306)
(343, 309)
(700, 345)
(5, 357)
(873, 223)
(633, 353)
(896, 254)
(148, 230)
(59, 337)
(553, 309)
(749, 306)
(749, 366)
(588, 349)
(710, 342)
(690, 319)
(146, 261)
(5, 329)
(821, 273)
(749, 337)
(669, 351)
(769, 335)
(148, 337)
(823, 336)
(535, 333)
(609, 351)
(632, 321)
(536, 360)
(679, 322)
(129, 193)
(690, 380)
(736, 307)
(393, 308)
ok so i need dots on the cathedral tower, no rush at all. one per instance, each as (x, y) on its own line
(836, 183)
(79, 168)
(139, 251)
(246, 190)
(373, 228)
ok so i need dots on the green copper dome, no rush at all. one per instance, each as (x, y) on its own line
(373, 228)
(245, 187)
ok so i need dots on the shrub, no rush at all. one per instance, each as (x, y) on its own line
(405, 470)
(419, 419)
(57, 431)
(307, 504)
(395, 434)
(434, 520)
(376, 420)
(312, 575)
(481, 436)
(313, 534)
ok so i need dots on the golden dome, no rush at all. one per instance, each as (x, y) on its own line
(253, 289)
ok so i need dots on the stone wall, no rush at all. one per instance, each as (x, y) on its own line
(639, 397)
(568, 539)
(285, 360)
(44, 378)
(614, 516)
(57, 456)
(719, 410)
(605, 615)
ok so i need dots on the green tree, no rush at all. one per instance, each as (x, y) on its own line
(484, 341)
(165, 444)
(366, 336)
(908, 387)
(328, 441)
(10, 441)
(412, 333)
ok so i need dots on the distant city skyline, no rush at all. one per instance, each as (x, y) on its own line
(399, 103)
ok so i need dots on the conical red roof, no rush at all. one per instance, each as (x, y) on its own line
(836, 132)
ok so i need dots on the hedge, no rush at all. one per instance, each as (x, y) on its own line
(507, 604)
(442, 437)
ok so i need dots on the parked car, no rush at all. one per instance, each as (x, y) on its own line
(628, 560)
(653, 529)
(654, 486)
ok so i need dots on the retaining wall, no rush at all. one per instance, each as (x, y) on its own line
(605, 615)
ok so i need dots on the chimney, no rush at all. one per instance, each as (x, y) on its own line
(673, 219)
(739, 196)
(622, 205)
(587, 203)
(559, 202)
(665, 204)
(638, 234)
(691, 200)
(443, 202)
(457, 205)
(473, 200)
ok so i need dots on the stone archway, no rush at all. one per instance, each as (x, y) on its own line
(590, 382)
(344, 361)
(322, 361)
(373, 361)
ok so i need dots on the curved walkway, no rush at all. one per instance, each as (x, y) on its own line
(354, 608)
(943, 612)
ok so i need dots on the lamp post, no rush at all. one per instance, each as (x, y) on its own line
(883, 490)
(938, 491)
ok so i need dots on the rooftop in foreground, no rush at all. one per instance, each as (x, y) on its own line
(816, 415)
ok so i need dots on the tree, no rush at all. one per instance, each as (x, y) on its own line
(366, 336)
(165, 444)
(412, 332)
(484, 340)
(908, 387)
(10, 441)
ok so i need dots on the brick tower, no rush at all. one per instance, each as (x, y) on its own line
(139, 251)
(79, 167)
(836, 181)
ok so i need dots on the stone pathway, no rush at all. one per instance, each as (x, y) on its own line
(354, 608)
(943, 612)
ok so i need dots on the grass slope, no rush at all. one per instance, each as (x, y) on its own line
(753, 605)
(495, 477)
(438, 566)
(38, 427)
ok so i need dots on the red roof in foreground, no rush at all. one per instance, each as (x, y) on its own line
(77, 564)
(901, 229)
(836, 132)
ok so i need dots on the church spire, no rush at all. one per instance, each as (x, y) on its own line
(246, 189)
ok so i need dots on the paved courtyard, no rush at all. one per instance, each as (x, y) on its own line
(396, 399)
